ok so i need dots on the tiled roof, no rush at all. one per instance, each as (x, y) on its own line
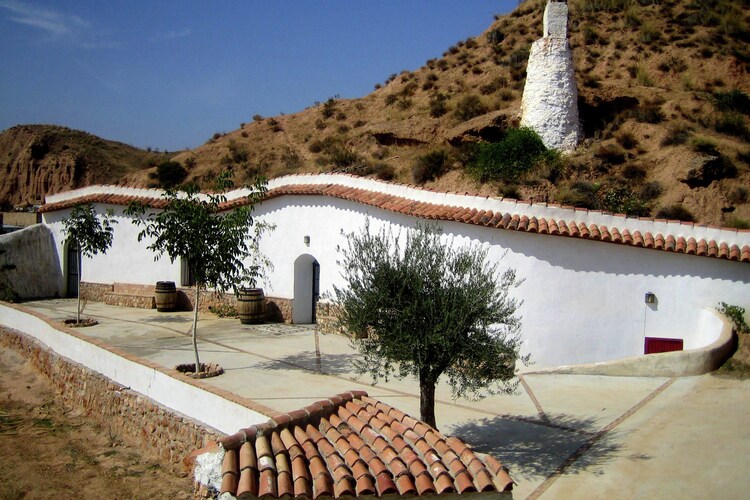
(352, 445)
(488, 218)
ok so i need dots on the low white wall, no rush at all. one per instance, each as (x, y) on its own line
(35, 272)
(204, 406)
(696, 361)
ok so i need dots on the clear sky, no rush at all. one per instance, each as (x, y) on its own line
(167, 74)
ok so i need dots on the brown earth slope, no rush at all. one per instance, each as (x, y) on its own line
(663, 90)
(36, 160)
(50, 451)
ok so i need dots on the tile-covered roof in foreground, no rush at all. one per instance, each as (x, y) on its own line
(540, 218)
(349, 446)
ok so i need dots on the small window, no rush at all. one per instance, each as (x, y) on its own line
(186, 276)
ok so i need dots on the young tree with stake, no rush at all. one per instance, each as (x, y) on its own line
(429, 310)
(92, 236)
(201, 231)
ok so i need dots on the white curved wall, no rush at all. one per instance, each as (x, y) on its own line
(583, 300)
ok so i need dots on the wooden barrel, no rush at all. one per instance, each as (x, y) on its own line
(251, 306)
(166, 296)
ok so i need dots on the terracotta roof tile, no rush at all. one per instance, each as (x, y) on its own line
(329, 455)
(469, 215)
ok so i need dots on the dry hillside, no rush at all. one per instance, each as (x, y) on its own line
(663, 100)
(36, 160)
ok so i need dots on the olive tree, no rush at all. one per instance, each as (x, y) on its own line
(429, 309)
(202, 231)
(91, 234)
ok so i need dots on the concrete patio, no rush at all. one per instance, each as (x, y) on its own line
(562, 436)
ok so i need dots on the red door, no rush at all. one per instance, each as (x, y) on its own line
(655, 344)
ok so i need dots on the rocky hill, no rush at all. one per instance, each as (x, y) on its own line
(36, 160)
(663, 96)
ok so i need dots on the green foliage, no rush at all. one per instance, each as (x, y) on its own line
(736, 315)
(170, 174)
(518, 152)
(224, 311)
(621, 200)
(429, 166)
(428, 310)
(580, 194)
(91, 234)
(469, 107)
(196, 229)
(193, 227)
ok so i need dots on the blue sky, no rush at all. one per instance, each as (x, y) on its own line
(168, 74)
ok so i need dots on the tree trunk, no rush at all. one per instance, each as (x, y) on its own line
(78, 307)
(427, 400)
(195, 329)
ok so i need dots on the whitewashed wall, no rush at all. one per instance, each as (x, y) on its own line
(583, 301)
(127, 261)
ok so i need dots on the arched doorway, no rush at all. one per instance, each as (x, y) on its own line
(306, 289)
(73, 269)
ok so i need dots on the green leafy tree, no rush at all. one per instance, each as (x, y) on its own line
(92, 235)
(201, 231)
(428, 310)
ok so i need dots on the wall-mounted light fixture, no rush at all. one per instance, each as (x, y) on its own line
(650, 298)
(306, 239)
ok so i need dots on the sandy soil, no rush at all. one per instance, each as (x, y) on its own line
(49, 451)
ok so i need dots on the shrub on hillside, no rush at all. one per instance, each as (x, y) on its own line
(170, 174)
(469, 107)
(621, 200)
(438, 105)
(734, 101)
(506, 160)
(732, 123)
(429, 167)
(650, 191)
(580, 194)
(737, 223)
(677, 134)
(675, 212)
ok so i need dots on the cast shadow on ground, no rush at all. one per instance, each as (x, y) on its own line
(167, 318)
(535, 450)
(330, 364)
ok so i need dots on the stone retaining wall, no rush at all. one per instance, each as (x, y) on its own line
(94, 292)
(278, 310)
(167, 435)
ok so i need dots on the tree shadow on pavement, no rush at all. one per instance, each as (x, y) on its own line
(331, 364)
(538, 450)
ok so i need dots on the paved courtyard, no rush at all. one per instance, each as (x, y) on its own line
(562, 436)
